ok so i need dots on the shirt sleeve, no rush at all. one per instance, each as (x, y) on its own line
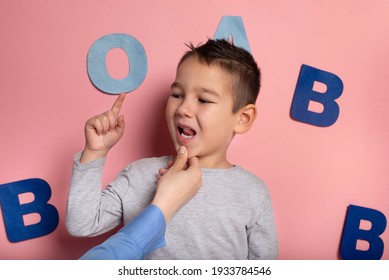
(262, 235)
(90, 210)
(134, 241)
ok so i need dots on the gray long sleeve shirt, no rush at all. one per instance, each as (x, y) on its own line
(231, 217)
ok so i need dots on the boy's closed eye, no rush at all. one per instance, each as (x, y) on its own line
(200, 99)
(176, 95)
(204, 101)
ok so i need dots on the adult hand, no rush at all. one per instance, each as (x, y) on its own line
(177, 185)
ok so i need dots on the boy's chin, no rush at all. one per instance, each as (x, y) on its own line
(191, 153)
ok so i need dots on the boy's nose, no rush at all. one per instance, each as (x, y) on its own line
(185, 110)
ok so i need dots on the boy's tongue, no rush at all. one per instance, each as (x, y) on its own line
(188, 131)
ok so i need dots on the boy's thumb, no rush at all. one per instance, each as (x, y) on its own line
(181, 159)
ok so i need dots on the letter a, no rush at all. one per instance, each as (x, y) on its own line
(232, 26)
(304, 93)
(13, 210)
(352, 233)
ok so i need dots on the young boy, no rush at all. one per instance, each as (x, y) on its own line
(231, 217)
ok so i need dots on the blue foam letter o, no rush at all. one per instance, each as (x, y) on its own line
(97, 67)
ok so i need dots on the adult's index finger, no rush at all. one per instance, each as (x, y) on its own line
(118, 104)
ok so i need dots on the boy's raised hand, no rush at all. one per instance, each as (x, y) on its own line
(103, 131)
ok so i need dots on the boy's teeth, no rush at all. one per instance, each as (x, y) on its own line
(187, 132)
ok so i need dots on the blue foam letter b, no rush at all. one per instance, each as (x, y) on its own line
(13, 211)
(304, 93)
(352, 233)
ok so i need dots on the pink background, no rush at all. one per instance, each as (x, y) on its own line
(313, 173)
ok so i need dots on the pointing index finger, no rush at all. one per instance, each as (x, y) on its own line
(118, 104)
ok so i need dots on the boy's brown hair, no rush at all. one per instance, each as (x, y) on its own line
(245, 74)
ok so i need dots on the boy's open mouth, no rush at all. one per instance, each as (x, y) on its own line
(186, 132)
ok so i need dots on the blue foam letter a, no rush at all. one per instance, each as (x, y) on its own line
(13, 210)
(352, 233)
(232, 26)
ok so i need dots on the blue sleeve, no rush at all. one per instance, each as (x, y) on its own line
(134, 241)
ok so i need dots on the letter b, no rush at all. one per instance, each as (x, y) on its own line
(304, 94)
(352, 233)
(13, 210)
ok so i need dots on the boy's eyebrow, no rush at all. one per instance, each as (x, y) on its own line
(207, 90)
(175, 85)
(199, 89)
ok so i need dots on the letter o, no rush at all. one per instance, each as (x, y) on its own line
(97, 66)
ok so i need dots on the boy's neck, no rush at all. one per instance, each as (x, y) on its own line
(214, 163)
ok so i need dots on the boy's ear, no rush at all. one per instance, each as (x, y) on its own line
(246, 117)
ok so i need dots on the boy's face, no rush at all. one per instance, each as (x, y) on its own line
(199, 112)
